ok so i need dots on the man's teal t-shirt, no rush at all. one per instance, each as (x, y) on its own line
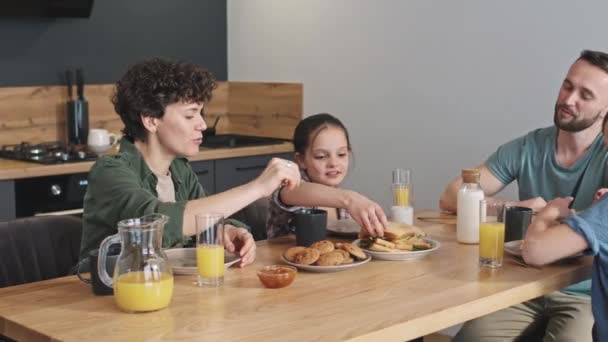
(530, 160)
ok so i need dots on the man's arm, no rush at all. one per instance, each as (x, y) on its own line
(491, 186)
(547, 240)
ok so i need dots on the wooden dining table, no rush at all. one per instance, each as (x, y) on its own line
(377, 301)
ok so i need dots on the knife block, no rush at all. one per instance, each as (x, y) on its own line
(78, 122)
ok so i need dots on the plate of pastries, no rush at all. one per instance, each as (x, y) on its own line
(325, 256)
(400, 242)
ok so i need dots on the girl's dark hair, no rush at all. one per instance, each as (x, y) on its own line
(149, 86)
(309, 127)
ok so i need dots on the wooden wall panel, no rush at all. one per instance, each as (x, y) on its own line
(37, 114)
(218, 107)
(265, 109)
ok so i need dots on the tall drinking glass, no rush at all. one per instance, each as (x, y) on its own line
(402, 187)
(491, 236)
(210, 249)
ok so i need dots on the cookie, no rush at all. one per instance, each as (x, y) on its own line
(344, 253)
(330, 259)
(348, 260)
(354, 251)
(307, 257)
(324, 246)
(290, 254)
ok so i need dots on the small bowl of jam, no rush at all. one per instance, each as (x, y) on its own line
(277, 276)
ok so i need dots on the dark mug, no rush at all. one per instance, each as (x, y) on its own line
(90, 265)
(310, 226)
(517, 220)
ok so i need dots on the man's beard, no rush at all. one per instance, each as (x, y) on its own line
(575, 125)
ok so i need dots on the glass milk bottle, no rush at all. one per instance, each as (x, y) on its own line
(469, 195)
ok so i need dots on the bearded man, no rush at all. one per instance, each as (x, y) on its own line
(567, 159)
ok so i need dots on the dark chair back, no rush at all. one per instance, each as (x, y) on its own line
(254, 215)
(38, 248)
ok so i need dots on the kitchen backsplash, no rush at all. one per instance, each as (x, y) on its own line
(37, 114)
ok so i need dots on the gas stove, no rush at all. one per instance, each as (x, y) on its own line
(55, 152)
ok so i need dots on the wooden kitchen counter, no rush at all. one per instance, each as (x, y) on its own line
(13, 169)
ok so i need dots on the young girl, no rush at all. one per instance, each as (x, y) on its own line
(322, 152)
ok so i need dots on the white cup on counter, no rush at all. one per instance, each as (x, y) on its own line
(100, 140)
(401, 214)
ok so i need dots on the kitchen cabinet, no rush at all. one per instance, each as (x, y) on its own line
(206, 174)
(236, 171)
(7, 200)
(223, 174)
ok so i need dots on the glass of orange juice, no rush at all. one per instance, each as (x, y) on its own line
(401, 187)
(491, 238)
(210, 249)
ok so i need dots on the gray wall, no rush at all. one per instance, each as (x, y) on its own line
(35, 51)
(434, 86)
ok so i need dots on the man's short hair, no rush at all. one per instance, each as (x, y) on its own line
(597, 58)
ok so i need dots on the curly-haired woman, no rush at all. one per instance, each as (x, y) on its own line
(160, 103)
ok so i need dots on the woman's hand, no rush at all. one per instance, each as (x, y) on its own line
(241, 241)
(278, 172)
(367, 213)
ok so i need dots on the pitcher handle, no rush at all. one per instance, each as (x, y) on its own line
(101, 259)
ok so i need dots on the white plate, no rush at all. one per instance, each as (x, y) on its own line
(183, 260)
(514, 248)
(405, 255)
(344, 228)
(326, 269)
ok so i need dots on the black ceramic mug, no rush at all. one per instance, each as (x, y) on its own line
(90, 265)
(310, 226)
(517, 220)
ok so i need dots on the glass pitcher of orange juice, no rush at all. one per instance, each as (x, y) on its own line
(143, 279)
